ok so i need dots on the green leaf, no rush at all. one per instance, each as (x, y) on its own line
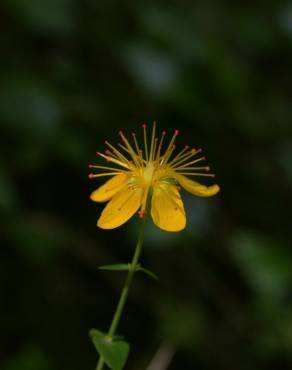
(113, 352)
(116, 267)
(126, 267)
(148, 272)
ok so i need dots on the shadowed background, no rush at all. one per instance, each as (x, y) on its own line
(72, 74)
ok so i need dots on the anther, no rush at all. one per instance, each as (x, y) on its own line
(90, 176)
(176, 132)
(187, 147)
(144, 125)
(141, 214)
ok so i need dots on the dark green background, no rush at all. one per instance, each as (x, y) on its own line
(72, 74)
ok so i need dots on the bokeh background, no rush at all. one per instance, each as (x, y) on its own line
(72, 74)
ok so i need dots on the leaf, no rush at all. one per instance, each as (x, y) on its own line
(113, 352)
(116, 267)
(148, 272)
(126, 267)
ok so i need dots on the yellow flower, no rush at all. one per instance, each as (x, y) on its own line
(139, 173)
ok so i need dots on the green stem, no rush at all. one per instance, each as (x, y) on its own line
(125, 291)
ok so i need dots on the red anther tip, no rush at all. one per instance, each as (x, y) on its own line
(120, 132)
(163, 132)
(199, 150)
(176, 132)
(187, 147)
(90, 176)
(134, 133)
(141, 214)
(207, 168)
(144, 125)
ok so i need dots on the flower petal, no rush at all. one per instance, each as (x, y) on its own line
(167, 209)
(196, 188)
(109, 189)
(122, 207)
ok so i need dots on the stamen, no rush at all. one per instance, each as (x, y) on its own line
(106, 168)
(130, 150)
(152, 142)
(93, 175)
(136, 143)
(205, 168)
(121, 157)
(159, 147)
(170, 148)
(179, 154)
(143, 203)
(155, 148)
(111, 159)
(135, 157)
(166, 156)
(197, 174)
(180, 165)
(184, 158)
(145, 141)
(141, 213)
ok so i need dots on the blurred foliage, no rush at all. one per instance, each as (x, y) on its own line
(73, 73)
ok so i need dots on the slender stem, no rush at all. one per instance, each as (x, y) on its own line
(125, 291)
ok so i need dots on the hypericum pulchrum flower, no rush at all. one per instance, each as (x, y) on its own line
(152, 169)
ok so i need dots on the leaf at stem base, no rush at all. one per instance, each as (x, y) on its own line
(113, 351)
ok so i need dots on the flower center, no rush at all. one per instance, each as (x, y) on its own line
(148, 173)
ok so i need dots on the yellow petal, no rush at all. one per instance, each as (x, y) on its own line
(120, 208)
(109, 189)
(167, 209)
(196, 188)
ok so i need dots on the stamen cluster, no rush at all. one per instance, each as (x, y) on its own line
(150, 169)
